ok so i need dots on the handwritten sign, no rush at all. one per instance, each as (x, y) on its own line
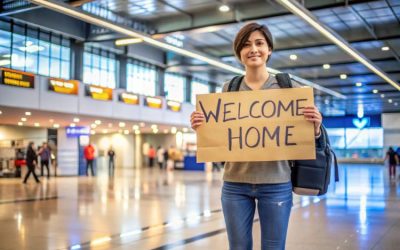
(263, 125)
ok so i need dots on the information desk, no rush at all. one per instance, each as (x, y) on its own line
(189, 163)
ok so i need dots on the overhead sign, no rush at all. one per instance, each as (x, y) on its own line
(69, 87)
(129, 98)
(174, 106)
(99, 93)
(153, 102)
(77, 131)
(265, 125)
(361, 123)
(17, 78)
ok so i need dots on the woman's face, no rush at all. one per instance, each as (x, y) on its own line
(255, 51)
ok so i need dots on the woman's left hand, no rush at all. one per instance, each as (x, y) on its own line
(312, 114)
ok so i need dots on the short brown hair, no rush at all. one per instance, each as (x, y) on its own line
(244, 33)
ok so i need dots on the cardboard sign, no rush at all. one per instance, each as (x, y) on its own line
(62, 86)
(17, 78)
(262, 125)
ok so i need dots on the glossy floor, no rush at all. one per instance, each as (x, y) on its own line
(153, 209)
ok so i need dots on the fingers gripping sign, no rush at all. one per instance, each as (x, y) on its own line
(196, 119)
(312, 114)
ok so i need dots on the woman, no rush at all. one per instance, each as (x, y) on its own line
(31, 162)
(393, 161)
(267, 182)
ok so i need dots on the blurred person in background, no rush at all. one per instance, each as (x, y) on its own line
(31, 162)
(44, 153)
(160, 156)
(89, 156)
(111, 162)
(393, 160)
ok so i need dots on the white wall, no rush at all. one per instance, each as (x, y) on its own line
(391, 126)
(123, 145)
(67, 154)
(37, 135)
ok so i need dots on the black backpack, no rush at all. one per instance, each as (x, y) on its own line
(309, 177)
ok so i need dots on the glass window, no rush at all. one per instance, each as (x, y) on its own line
(174, 87)
(198, 87)
(141, 78)
(32, 51)
(218, 89)
(100, 68)
(364, 138)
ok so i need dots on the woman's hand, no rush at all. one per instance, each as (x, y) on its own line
(196, 119)
(312, 114)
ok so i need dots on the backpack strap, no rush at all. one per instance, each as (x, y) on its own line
(234, 84)
(284, 80)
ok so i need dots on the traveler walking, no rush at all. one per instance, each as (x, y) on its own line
(111, 164)
(160, 157)
(31, 162)
(266, 182)
(44, 154)
(393, 161)
(89, 156)
(151, 154)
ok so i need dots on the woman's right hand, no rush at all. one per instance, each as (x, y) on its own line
(196, 119)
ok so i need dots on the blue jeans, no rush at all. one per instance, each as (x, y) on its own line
(274, 205)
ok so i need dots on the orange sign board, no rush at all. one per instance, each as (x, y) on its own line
(153, 102)
(99, 93)
(69, 87)
(129, 98)
(17, 78)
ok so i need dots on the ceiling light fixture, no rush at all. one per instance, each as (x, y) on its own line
(224, 8)
(385, 48)
(76, 119)
(293, 57)
(390, 100)
(358, 84)
(326, 66)
(28, 113)
(36, 124)
(343, 76)
(56, 125)
(135, 127)
(20, 124)
(97, 122)
(307, 16)
(99, 21)
(73, 125)
(382, 95)
(1, 112)
(127, 41)
(23, 119)
(121, 124)
(375, 91)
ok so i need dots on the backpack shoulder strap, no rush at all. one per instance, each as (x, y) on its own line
(284, 80)
(234, 84)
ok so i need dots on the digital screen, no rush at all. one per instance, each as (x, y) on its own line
(17, 78)
(98, 93)
(69, 87)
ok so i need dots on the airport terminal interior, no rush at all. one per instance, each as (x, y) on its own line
(97, 149)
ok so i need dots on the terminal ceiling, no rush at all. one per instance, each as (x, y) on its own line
(368, 26)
